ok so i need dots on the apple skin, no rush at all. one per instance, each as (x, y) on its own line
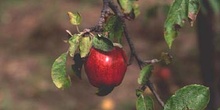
(106, 69)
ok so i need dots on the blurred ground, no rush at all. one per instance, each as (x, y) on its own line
(31, 37)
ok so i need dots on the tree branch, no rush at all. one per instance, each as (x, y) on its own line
(133, 51)
(131, 45)
(104, 13)
(107, 5)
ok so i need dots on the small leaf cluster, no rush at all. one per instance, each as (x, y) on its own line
(76, 42)
(191, 97)
(80, 45)
(147, 69)
(111, 30)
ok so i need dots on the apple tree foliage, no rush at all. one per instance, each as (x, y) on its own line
(111, 31)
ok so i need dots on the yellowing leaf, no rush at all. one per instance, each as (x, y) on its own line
(58, 72)
(130, 8)
(75, 18)
(74, 43)
(84, 46)
(136, 9)
(126, 5)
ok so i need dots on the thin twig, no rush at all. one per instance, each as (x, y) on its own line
(151, 61)
(133, 51)
(151, 87)
(77, 28)
(131, 45)
(99, 28)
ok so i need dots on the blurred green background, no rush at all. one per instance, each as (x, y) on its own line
(31, 38)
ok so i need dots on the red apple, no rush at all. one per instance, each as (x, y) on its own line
(106, 69)
(163, 73)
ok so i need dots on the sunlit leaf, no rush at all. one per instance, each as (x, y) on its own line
(130, 8)
(191, 97)
(102, 43)
(84, 46)
(114, 29)
(144, 103)
(145, 74)
(75, 18)
(136, 9)
(74, 43)
(58, 72)
(126, 5)
(180, 11)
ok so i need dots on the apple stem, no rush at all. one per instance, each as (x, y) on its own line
(133, 51)
(107, 5)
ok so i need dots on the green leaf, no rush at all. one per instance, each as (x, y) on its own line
(193, 10)
(130, 8)
(114, 28)
(84, 46)
(145, 74)
(126, 5)
(77, 66)
(58, 72)
(144, 103)
(102, 43)
(139, 92)
(180, 11)
(75, 18)
(191, 97)
(74, 43)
